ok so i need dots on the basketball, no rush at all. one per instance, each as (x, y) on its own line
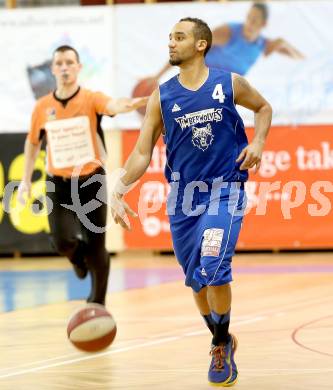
(91, 328)
(144, 87)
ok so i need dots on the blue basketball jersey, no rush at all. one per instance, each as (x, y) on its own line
(238, 54)
(204, 133)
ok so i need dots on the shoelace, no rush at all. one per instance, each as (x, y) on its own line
(218, 353)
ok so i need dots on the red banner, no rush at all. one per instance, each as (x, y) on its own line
(290, 199)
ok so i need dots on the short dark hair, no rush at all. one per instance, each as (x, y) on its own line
(201, 30)
(63, 48)
(263, 8)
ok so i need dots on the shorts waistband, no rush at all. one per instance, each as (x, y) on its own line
(99, 170)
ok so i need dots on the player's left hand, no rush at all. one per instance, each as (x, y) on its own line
(120, 211)
(251, 156)
(122, 105)
(138, 102)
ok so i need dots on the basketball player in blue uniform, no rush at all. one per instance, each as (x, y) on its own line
(236, 47)
(208, 156)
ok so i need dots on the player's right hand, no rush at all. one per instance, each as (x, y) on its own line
(151, 81)
(120, 211)
(138, 102)
(24, 192)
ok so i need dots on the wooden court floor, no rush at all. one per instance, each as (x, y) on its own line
(282, 315)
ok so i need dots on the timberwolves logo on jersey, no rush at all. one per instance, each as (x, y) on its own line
(202, 137)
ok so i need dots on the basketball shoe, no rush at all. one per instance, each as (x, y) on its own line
(223, 369)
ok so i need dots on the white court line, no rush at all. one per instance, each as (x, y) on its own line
(111, 352)
(41, 361)
(58, 357)
(119, 344)
(139, 339)
(90, 357)
(73, 354)
(294, 305)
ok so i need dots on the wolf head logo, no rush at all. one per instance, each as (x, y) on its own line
(202, 137)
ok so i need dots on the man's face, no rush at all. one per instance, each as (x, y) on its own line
(182, 44)
(65, 67)
(254, 23)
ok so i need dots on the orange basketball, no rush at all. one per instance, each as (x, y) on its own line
(91, 328)
(144, 87)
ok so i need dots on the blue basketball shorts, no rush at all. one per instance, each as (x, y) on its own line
(205, 231)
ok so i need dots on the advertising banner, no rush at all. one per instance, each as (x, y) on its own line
(29, 37)
(288, 57)
(124, 52)
(290, 199)
(22, 229)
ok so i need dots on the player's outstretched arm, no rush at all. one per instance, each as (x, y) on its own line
(281, 46)
(138, 161)
(165, 68)
(122, 105)
(152, 81)
(30, 154)
(221, 35)
(248, 97)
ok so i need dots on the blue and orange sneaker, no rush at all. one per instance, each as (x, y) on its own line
(234, 375)
(223, 369)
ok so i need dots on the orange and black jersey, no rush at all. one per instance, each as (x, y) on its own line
(73, 131)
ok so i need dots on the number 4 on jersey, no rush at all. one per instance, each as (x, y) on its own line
(218, 93)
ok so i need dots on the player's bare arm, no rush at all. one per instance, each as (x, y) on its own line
(247, 96)
(281, 46)
(122, 105)
(138, 161)
(30, 155)
(165, 68)
(152, 81)
(221, 35)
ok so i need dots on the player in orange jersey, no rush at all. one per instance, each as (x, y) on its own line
(71, 119)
